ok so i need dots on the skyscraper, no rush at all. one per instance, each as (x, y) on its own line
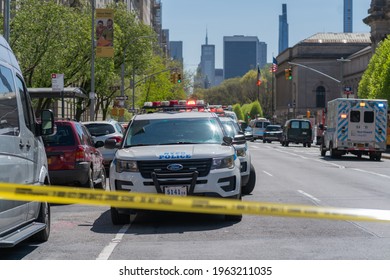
(176, 50)
(347, 16)
(240, 54)
(283, 29)
(207, 64)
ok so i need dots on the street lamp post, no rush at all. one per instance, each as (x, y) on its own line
(342, 60)
(123, 68)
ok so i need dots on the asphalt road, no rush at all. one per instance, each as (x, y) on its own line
(291, 175)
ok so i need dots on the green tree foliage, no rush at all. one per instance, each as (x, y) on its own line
(242, 91)
(48, 37)
(238, 111)
(375, 83)
(256, 110)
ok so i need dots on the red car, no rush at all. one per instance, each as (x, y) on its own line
(73, 157)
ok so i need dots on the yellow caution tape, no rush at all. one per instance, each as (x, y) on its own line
(65, 195)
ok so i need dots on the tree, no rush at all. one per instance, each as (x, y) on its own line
(375, 82)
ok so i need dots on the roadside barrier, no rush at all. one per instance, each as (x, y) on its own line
(70, 195)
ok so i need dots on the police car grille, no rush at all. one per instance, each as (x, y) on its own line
(147, 167)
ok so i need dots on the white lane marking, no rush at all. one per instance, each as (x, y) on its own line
(269, 174)
(330, 163)
(370, 172)
(314, 199)
(107, 251)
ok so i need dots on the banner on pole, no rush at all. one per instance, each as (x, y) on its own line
(104, 32)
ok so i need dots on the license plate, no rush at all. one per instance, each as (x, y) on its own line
(176, 190)
(360, 145)
(304, 133)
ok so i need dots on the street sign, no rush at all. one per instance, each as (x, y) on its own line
(121, 97)
(57, 82)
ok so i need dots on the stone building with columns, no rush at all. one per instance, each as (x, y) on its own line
(337, 62)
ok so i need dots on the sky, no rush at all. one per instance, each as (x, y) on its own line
(188, 20)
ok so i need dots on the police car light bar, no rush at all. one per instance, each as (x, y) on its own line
(176, 104)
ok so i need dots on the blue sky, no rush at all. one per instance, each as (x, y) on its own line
(187, 21)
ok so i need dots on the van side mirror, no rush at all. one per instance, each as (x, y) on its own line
(46, 126)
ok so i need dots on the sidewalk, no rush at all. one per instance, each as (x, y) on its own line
(386, 154)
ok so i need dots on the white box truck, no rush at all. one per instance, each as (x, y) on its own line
(356, 126)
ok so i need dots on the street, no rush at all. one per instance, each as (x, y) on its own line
(291, 175)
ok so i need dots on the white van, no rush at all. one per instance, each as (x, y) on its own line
(258, 126)
(22, 154)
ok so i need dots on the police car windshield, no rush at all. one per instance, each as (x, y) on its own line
(174, 131)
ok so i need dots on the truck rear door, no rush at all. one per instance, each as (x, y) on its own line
(362, 124)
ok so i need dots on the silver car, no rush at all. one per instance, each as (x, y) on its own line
(103, 130)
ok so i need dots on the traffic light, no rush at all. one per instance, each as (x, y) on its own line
(179, 78)
(174, 78)
(286, 74)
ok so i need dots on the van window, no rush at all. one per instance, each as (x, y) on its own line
(305, 125)
(369, 117)
(28, 113)
(355, 116)
(294, 124)
(9, 119)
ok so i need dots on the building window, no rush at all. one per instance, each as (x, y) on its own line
(320, 97)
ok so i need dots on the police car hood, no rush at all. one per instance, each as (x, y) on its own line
(166, 152)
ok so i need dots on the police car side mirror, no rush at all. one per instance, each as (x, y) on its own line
(239, 139)
(227, 140)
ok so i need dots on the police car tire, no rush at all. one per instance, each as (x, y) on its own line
(248, 188)
(119, 218)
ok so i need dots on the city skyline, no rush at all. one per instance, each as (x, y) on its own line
(187, 21)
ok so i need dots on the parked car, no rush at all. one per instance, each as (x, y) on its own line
(297, 131)
(272, 132)
(22, 155)
(73, 156)
(248, 173)
(103, 130)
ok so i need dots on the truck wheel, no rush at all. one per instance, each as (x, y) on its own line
(304, 144)
(118, 218)
(308, 145)
(248, 188)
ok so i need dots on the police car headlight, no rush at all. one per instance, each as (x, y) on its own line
(241, 152)
(126, 166)
(226, 162)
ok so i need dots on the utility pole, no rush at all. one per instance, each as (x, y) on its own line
(6, 19)
(92, 93)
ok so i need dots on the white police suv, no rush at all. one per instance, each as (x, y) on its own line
(175, 153)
